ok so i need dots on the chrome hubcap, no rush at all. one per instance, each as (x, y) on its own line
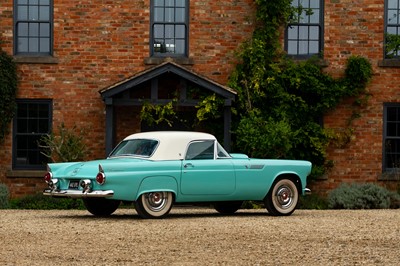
(284, 196)
(156, 200)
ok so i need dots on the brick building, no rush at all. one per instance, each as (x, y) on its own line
(90, 63)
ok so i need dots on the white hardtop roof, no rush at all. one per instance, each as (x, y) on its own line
(172, 144)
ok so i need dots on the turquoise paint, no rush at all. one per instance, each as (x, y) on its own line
(238, 178)
(208, 177)
(158, 183)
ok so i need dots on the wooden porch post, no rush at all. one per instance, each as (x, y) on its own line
(227, 126)
(110, 131)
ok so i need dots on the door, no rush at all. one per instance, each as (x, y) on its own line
(203, 174)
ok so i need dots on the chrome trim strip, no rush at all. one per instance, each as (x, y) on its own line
(307, 191)
(78, 193)
(256, 166)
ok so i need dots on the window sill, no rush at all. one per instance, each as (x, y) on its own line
(389, 63)
(159, 60)
(390, 176)
(25, 173)
(35, 59)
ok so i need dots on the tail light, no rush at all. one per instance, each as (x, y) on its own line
(100, 178)
(47, 177)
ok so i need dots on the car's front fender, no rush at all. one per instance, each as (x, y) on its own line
(157, 183)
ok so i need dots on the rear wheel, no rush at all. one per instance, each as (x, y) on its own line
(101, 206)
(282, 198)
(228, 207)
(154, 204)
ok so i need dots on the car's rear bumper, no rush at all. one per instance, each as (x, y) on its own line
(306, 191)
(78, 193)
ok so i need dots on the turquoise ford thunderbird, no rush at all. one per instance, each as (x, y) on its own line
(157, 169)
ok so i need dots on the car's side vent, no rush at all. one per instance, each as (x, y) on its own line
(256, 166)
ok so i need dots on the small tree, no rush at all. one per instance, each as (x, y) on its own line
(67, 146)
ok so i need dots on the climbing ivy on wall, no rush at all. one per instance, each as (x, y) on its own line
(8, 91)
(281, 102)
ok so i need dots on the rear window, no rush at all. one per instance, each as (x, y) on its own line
(135, 147)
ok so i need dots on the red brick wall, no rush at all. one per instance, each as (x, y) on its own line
(218, 28)
(357, 28)
(98, 43)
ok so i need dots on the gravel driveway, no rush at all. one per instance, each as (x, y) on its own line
(200, 236)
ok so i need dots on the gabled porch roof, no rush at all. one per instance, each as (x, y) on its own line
(118, 94)
(166, 67)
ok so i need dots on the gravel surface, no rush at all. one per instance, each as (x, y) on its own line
(200, 236)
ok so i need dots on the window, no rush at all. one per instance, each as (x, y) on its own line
(392, 29)
(221, 153)
(391, 137)
(31, 122)
(303, 37)
(135, 147)
(33, 27)
(169, 27)
(200, 150)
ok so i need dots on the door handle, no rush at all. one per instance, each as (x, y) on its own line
(188, 165)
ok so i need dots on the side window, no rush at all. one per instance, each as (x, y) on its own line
(200, 150)
(32, 121)
(304, 37)
(392, 29)
(33, 27)
(391, 138)
(221, 152)
(169, 27)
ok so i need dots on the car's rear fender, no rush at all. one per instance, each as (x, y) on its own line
(157, 183)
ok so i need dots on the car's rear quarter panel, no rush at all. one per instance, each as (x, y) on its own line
(129, 181)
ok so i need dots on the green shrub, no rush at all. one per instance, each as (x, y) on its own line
(8, 91)
(394, 200)
(40, 202)
(4, 195)
(313, 202)
(360, 196)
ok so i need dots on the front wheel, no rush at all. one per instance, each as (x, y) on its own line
(282, 198)
(154, 204)
(101, 206)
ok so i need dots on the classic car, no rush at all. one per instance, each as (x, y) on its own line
(154, 170)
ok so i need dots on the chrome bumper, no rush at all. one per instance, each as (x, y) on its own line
(307, 191)
(78, 193)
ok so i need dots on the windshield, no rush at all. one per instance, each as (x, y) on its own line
(135, 147)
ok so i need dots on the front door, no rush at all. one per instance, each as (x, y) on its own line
(203, 174)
